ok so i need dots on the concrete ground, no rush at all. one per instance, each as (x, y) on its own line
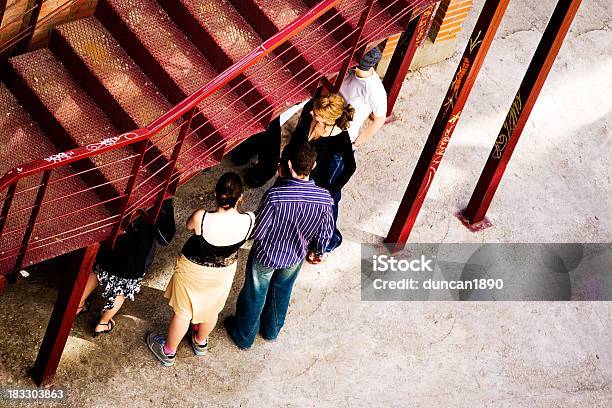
(336, 350)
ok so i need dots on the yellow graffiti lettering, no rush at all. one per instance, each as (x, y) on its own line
(475, 41)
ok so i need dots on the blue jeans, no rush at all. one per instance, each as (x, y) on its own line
(336, 165)
(263, 302)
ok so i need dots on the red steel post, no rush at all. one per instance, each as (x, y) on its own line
(171, 165)
(129, 189)
(63, 315)
(521, 107)
(406, 47)
(444, 125)
(8, 200)
(356, 37)
(27, 235)
(23, 44)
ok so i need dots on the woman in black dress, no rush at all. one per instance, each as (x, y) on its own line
(120, 270)
(324, 123)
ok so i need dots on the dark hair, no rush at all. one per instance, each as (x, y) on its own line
(303, 157)
(228, 190)
(348, 112)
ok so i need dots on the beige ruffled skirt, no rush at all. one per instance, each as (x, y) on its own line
(198, 293)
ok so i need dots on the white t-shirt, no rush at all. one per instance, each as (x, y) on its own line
(367, 95)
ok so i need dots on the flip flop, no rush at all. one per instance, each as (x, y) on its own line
(83, 309)
(110, 325)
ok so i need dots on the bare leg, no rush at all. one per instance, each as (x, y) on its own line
(177, 330)
(109, 314)
(92, 283)
(204, 329)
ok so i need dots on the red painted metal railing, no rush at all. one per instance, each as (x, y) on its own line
(47, 205)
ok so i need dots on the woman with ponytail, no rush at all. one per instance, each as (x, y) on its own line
(324, 123)
(204, 271)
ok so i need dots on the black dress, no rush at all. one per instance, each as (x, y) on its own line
(120, 270)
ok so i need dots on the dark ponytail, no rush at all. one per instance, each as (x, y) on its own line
(347, 115)
(228, 190)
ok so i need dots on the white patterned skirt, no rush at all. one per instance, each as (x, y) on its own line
(114, 286)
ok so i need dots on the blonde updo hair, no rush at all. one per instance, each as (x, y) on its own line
(333, 108)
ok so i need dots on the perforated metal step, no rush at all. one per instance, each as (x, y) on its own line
(316, 43)
(22, 141)
(118, 85)
(216, 28)
(387, 17)
(175, 65)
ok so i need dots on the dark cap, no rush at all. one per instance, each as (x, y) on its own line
(370, 59)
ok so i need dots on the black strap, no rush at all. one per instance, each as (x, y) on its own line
(250, 225)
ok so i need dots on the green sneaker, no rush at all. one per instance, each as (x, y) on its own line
(156, 344)
(198, 349)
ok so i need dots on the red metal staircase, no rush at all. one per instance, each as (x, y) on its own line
(125, 106)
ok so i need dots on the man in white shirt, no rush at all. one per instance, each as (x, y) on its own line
(364, 90)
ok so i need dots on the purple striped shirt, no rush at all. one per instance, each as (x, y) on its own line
(291, 214)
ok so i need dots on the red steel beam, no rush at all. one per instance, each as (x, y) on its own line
(27, 235)
(444, 125)
(30, 21)
(63, 315)
(519, 112)
(2, 10)
(159, 200)
(355, 41)
(406, 47)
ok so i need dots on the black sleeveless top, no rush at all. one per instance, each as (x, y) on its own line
(202, 252)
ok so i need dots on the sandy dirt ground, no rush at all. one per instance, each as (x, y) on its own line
(337, 350)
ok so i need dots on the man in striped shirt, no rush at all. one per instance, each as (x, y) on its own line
(293, 214)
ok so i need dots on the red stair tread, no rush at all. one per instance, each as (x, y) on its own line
(122, 78)
(316, 43)
(224, 24)
(183, 62)
(378, 26)
(75, 112)
(17, 130)
(115, 70)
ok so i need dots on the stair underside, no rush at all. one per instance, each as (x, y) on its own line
(216, 28)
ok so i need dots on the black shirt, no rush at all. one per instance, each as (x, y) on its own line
(134, 250)
(327, 148)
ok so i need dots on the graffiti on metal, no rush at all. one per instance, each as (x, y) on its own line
(59, 157)
(423, 23)
(475, 41)
(110, 141)
(440, 150)
(508, 127)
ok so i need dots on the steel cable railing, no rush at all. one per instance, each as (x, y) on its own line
(152, 171)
